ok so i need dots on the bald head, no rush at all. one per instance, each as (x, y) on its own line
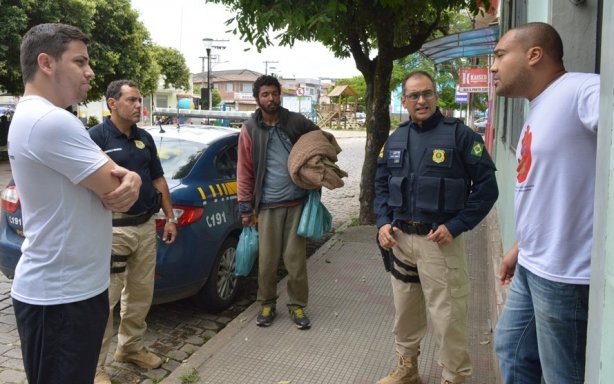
(541, 35)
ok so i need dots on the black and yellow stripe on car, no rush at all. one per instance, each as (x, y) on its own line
(221, 191)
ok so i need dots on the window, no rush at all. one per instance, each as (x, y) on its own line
(230, 87)
(161, 101)
(513, 109)
(247, 87)
(226, 163)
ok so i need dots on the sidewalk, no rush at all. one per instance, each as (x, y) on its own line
(352, 314)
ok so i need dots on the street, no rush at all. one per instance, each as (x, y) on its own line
(176, 330)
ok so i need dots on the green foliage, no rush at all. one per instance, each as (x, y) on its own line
(91, 121)
(216, 97)
(120, 44)
(374, 33)
(173, 67)
(191, 377)
(358, 85)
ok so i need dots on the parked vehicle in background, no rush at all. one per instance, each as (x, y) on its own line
(361, 118)
(479, 125)
(200, 164)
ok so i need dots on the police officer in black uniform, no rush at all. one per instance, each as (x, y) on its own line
(133, 258)
(434, 181)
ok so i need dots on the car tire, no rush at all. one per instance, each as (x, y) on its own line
(222, 285)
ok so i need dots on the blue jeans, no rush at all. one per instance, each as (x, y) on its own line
(542, 331)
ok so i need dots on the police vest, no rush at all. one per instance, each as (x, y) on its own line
(428, 182)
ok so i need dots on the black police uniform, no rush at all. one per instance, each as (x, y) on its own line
(137, 153)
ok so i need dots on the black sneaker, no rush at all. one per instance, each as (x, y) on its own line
(300, 319)
(266, 316)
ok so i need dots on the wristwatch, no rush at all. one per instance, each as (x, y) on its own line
(172, 220)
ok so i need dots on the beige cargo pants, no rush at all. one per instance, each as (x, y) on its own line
(443, 291)
(134, 248)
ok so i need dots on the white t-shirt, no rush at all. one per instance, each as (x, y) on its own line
(555, 184)
(67, 250)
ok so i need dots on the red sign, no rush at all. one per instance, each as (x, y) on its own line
(473, 80)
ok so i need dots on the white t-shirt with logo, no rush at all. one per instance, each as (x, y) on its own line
(68, 234)
(555, 183)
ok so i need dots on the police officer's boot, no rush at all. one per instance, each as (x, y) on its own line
(405, 373)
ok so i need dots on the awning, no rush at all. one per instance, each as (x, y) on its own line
(475, 42)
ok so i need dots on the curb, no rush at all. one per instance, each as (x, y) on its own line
(217, 342)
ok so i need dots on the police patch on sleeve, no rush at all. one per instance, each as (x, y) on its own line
(477, 149)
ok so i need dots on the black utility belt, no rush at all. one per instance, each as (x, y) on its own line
(130, 221)
(413, 227)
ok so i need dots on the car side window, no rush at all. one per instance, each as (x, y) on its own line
(226, 163)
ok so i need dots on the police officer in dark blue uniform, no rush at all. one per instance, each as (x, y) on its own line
(434, 181)
(133, 258)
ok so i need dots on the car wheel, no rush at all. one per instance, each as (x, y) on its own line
(222, 285)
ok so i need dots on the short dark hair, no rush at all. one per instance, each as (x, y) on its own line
(265, 80)
(50, 38)
(114, 90)
(542, 35)
(418, 73)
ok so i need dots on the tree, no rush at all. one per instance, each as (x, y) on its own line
(387, 29)
(172, 67)
(120, 45)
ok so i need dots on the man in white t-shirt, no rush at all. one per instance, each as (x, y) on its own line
(68, 188)
(541, 332)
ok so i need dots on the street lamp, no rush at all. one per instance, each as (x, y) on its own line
(209, 45)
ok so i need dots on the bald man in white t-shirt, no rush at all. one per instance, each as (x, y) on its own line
(541, 332)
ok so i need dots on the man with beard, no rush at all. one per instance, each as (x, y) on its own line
(133, 255)
(265, 189)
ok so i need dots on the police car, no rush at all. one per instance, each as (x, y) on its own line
(200, 164)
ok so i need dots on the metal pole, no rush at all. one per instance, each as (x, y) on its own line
(209, 75)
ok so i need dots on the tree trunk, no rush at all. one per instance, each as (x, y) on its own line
(378, 129)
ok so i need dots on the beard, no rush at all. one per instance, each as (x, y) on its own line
(270, 108)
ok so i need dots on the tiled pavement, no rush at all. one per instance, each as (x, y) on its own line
(350, 341)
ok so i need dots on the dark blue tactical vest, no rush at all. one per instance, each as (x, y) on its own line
(428, 182)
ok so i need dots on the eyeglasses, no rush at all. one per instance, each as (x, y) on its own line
(428, 94)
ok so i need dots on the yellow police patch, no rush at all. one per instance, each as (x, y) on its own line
(139, 144)
(439, 156)
(381, 153)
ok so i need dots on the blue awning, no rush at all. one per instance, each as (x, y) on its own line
(475, 42)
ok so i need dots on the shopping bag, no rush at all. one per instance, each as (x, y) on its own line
(315, 218)
(247, 251)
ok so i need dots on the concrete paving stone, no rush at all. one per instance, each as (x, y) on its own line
(13, 363)
(178, 355)
(14, 353)
(208, 334)
(9, 376)
(190, 348)
(210, 324)
(195, 340)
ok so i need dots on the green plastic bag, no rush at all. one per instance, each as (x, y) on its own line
(315, 218)
(247, 251)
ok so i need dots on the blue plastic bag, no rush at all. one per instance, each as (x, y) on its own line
(315, 218)
(247, 251)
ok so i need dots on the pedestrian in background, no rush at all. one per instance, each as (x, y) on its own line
(133, 257)
(542, 329)
(66, 186)
(434, 181)
(265, 189)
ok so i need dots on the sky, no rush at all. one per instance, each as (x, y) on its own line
(182, 24)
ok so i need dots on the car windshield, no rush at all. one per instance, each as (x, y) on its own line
(178, 156)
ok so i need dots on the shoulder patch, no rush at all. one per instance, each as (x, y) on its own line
(381, 152)
(477, 149)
